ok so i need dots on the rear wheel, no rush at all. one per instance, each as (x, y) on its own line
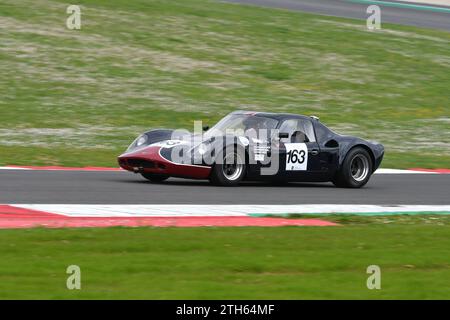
(230, 170)
(154, 177)
(356, 169)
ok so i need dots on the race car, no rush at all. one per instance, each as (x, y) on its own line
(255, 146)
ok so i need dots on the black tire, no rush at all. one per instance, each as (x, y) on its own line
(154, 177)
(356, 169)
(222, 173)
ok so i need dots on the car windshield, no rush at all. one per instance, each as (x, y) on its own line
(242, 123)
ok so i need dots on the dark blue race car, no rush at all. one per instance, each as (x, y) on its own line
(255, 146)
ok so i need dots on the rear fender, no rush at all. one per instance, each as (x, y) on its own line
(375, 151)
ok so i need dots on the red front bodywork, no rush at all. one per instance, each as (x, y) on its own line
(149, 160)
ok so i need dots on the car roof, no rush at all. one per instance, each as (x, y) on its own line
(273, 115)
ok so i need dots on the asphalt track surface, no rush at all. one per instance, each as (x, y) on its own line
(346, 9)
(78, 187)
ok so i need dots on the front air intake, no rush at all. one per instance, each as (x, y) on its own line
(140, 163)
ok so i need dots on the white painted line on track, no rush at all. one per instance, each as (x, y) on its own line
(402, 171)
(84, 210)
(93, 169)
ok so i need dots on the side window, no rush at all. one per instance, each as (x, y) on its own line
(299, 127)
(322, 133)
(306, 126)
(288, 126)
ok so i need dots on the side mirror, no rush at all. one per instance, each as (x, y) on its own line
(205, 128)
(283, 135)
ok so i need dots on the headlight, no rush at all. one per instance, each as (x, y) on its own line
(141, 140)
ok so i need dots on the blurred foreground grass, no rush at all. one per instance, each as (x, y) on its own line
(231, 263)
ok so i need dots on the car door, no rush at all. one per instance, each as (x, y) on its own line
(299, 153)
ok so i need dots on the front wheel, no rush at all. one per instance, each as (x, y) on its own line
(155, 178)
(356, 169)
(229, 168)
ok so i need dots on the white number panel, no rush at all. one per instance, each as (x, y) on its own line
(296, 156)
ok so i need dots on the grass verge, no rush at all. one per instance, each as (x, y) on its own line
(232, 263)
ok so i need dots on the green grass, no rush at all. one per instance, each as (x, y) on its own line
(423, 218)
(231, 263)
(80, 97)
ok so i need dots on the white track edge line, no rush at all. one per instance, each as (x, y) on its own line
(82, 210)
(379, 171)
